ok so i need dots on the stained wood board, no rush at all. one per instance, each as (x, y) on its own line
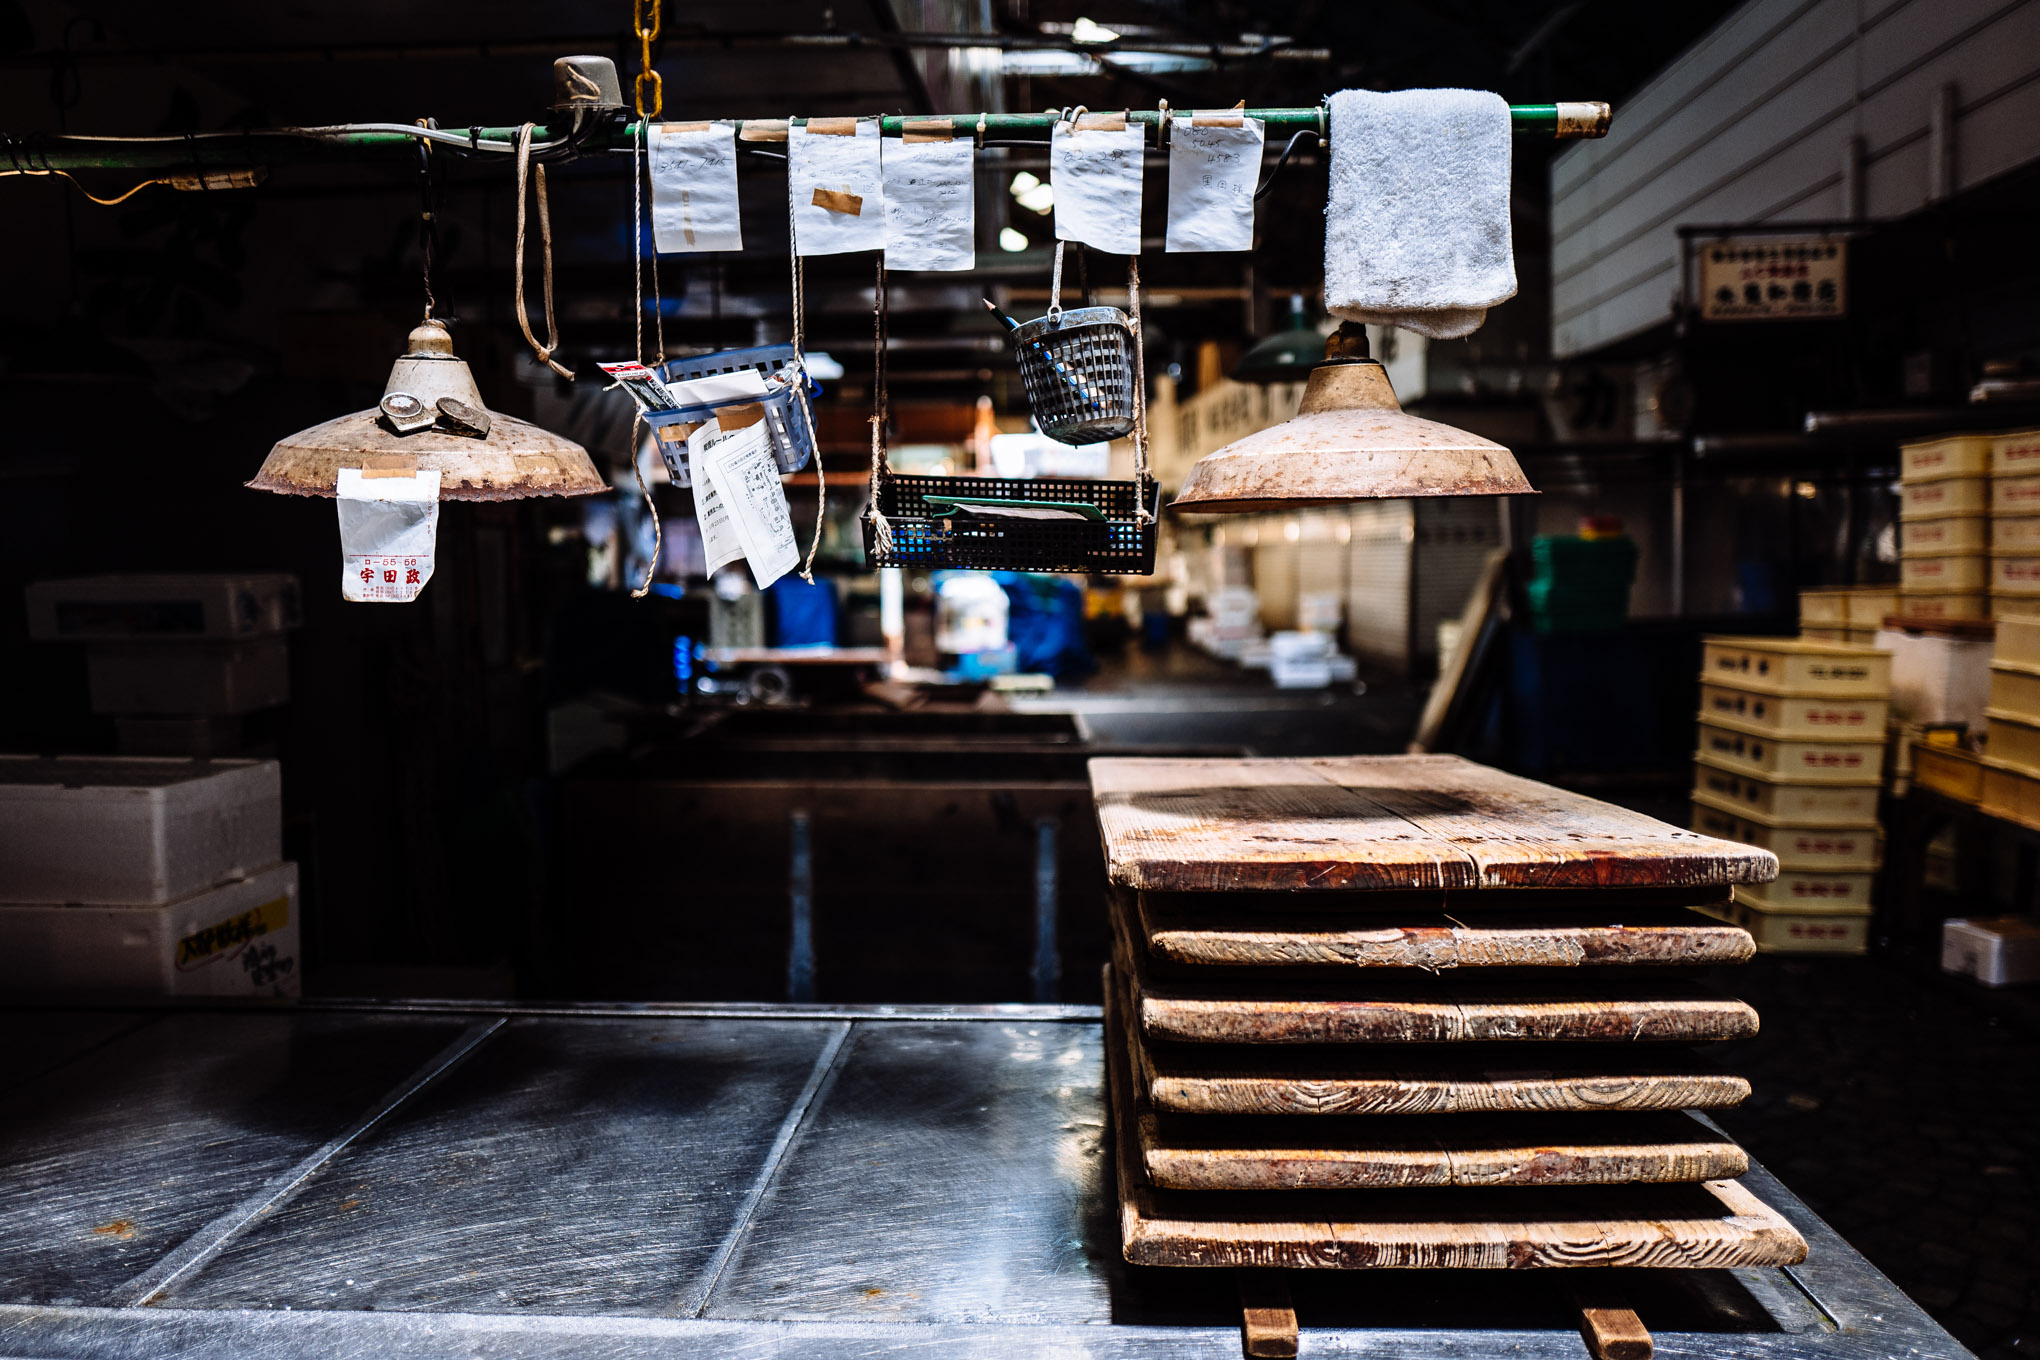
(1384, 822)
(1276, 1152)
(1188, 930)
(1398, 1008)
(1712, 1225)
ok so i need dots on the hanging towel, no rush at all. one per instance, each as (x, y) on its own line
(1417, 229)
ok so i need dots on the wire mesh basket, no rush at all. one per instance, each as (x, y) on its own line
(1078, 368)
(792, 439)
(1015, 524)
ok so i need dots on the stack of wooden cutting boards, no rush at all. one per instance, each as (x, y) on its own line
(1408, 1011)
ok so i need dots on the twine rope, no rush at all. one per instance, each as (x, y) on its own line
(800, 397)
(552, 330)
(881, 527)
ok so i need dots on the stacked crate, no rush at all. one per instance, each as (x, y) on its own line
(1848, 615)
(138, 876)
(1944, 527)
(1406, 1011)
(2010, 784)
(2015, 523)
(1790, 757)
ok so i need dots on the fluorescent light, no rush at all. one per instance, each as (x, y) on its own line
(1009, 239)
(1084, 31)
(1031, 194)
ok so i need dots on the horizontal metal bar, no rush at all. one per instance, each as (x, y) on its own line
(1012, 1012)
(363, 141)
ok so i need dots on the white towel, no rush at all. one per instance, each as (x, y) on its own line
(1417, 229)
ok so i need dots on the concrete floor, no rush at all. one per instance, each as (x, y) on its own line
(1905, 1109)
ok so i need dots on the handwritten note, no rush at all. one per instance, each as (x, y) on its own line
(837, 189)
(1212, 175)
(694, 187)
(928, 222)
(1096, 176)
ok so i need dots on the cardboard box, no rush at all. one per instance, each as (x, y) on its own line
(1795, 666)
(132, 829)
(1997, 951)
(238, 939)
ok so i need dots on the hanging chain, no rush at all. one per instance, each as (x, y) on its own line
(645, 22)
(637, 449)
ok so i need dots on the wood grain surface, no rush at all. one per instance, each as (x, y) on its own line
(1713, 1225)
(1396, 1008)
(1384, 822)
(1184, 930)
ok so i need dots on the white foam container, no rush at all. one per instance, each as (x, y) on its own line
(238, 939)
(129, 830)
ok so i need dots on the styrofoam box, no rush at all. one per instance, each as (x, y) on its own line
(1995, 950)
(1814, 892)
(1937, 679)
(2015, 575)
(1820, 848)
(1794, 666)
(1936, 604)
(239, 939)
(2017, 535)
(1961, 455)
(131, 830)
(1801, 804)
(2014, 452)
(1967, 572)
(1791, 715)
(1949, 496)
(2015, 496)
(165, 608)
(1813, 760)
(1794, 932)
(1945, 537)
(203, 679)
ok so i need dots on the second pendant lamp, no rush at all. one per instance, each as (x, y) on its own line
(1350, 440)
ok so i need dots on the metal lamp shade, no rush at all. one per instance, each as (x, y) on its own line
(517, 459)
(1349, 441)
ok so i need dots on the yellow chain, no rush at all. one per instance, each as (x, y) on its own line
(645, 35)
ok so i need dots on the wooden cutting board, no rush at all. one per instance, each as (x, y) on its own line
(1712, 1225)
(1397, 1008)
(1222, 1152)
(1217, 930)
(1384, 822)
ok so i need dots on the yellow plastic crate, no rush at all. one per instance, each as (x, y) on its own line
(2010, 792)
(1968, 572)
(1811, 760)
(1949, 496)
(1792, 715)
(1790, 932)
(2014, 495)
(2018, 639)
(1818, 848)
(1958, 455)
(2015, 452)
(2015, 576)
(1813, 892)
(1937, 605)
(1957, 534)
(2016, 535)
(1795, 666)
(1828, 803)
(1949, 771)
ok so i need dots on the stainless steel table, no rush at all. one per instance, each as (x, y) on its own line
(426, 1180)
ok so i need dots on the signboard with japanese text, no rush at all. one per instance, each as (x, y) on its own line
(1761, 278)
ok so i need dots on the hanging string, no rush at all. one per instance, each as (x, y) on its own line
(881, 527)
(1055, 307)
(1140, 433)
(637, 311)
(552, 330)
(800, 397)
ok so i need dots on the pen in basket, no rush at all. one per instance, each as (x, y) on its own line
(1076, 384)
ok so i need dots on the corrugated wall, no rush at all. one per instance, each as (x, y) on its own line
(1756, 122)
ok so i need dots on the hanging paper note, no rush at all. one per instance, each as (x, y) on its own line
(389, 526)
(694, 187)
(928, 223)
(1095, 172)
(836, 185)
(737, 494)
(1214, 162)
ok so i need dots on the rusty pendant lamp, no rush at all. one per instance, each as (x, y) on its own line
(1349, 441)
(432, 415)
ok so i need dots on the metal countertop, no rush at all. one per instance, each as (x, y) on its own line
(427, 1180)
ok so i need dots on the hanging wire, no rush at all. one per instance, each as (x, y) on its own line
(1282, 160)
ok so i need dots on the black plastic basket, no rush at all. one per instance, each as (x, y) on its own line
(1118, 544)
(1079, 367)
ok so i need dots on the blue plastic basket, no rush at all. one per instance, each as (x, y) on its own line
(792, 436)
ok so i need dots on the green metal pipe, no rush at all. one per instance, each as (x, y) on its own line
(369, 141)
